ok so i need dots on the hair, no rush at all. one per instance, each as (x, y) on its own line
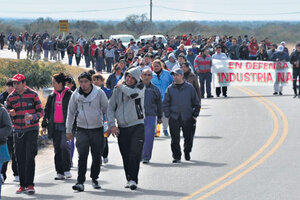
(71, 80)
(98, 76)
(116, 67)
(92, 72)
(157, 62)
(85, 75)
(9, 82)
(60, 78)
(186, 64)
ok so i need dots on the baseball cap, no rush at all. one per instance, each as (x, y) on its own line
(18, 78)
(184, 35)
(170, 49)
(177, 71)
(190, 49)
(283, 42)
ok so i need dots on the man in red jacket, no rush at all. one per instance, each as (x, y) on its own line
(78, 51)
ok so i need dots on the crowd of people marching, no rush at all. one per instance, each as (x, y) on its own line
(151, 84)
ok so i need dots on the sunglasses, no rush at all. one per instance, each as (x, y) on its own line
(147, 74)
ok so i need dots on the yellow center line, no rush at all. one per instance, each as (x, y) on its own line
(254, 156)
(260, 161)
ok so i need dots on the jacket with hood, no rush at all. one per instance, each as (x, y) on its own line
(127, 103)
(162, 81)
(169, 64)
(5, 125)
(89, 109)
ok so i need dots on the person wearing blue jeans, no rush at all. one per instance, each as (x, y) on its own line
(205, 78)
(153, 110)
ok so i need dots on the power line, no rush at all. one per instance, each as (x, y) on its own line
(78, 11)
(220, 13)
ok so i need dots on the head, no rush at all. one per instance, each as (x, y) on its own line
(9, 86)
(98, 80)
(171, 57)
(70, 82)
(157, 65)
(298, 47)
(185, 67)
(59, 81)
(132, 76)
(178, 76)
(19, 83)
(85, 81)
(233, 41)
(283, 43)
(181, 59)
(218, 49)
(146, 76)
(147, 59)
(142, 62)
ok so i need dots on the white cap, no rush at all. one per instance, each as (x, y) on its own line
(283, 42)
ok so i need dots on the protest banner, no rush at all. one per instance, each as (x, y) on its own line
(250, 73)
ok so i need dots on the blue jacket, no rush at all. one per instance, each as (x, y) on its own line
(181, 101)
(162, 81)
(281, 56)
(152, 102)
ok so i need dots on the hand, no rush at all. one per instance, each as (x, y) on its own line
(195, 118)
(69, 136)
(28, 117)
(12, 112)
(43, 131)
(119, 83)
(114, 131)
(159, 121)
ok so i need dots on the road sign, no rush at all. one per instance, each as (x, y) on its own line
(63, 26)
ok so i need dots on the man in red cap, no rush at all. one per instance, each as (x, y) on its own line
(25, 109)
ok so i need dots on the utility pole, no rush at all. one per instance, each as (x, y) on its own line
(150, 16)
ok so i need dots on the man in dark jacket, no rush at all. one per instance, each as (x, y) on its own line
(181, 106)
(153, 111)
(295, 61)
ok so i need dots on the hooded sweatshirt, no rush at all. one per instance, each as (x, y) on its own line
(127, 103)
(89, 109)
(5, 125)
(169, 64)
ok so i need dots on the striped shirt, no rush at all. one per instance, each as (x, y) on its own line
(28, 102)
(202, 65)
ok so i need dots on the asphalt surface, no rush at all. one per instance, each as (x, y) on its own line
(246, 146)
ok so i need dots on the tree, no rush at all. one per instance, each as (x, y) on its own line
(135, 23)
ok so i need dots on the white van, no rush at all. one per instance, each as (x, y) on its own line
(125, 38)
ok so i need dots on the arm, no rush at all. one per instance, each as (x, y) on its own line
(166, 104)
(72, 108)
(195, 103)
(197, 88)
(159, 104)
(5, 123)
(103, 102)
(134, 93)
(39, 109)
(112, 107)
(47, 112)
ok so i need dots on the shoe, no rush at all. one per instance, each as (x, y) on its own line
(275, 93)
(30, 189)
(295, 96)
(2, 179)
(127, 185)
(79, 187)
(21, 190)
(59, 177)
(95, 184)
(224, 95)
(105, 160)
(210, 96)
(176, 161)
(187, 156)
(132, 185)
(68, 174)
(17, 179)
(145, 161)
(280, 93)
(202, 96)
(166, 132)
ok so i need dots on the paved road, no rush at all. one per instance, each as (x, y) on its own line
(246, 147)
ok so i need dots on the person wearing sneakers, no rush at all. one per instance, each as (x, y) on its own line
(10, 139)
(153, 112)
(126, 105)
(55, 121)
(181, 105)
(25, 109)
(89, 103)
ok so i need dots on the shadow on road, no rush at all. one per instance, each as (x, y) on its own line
(40, 196)
(207, 137)
(188, 164)
(134, 194)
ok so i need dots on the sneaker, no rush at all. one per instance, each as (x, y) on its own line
(127, 185)
(280, 93)
(95, 184)
(79, 187)
(30, 189)
(210, 96)
(187, 156)
(295, 96)
(68, 174)
(105, 160)
(224, 95)
(166, 132)
(59, 177)
(2, 179)
(145, 161)
(21, 190)
(17, 179)
(217, 95)
(132, 185)
(176, 161)
(275, 93)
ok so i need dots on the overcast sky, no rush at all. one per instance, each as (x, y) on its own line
(233, 10)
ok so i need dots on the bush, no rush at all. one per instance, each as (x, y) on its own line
(38, 74)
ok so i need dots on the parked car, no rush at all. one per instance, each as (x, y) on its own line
(125, 38)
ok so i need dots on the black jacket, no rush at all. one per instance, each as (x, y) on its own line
(295, 56)
(48, 120)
